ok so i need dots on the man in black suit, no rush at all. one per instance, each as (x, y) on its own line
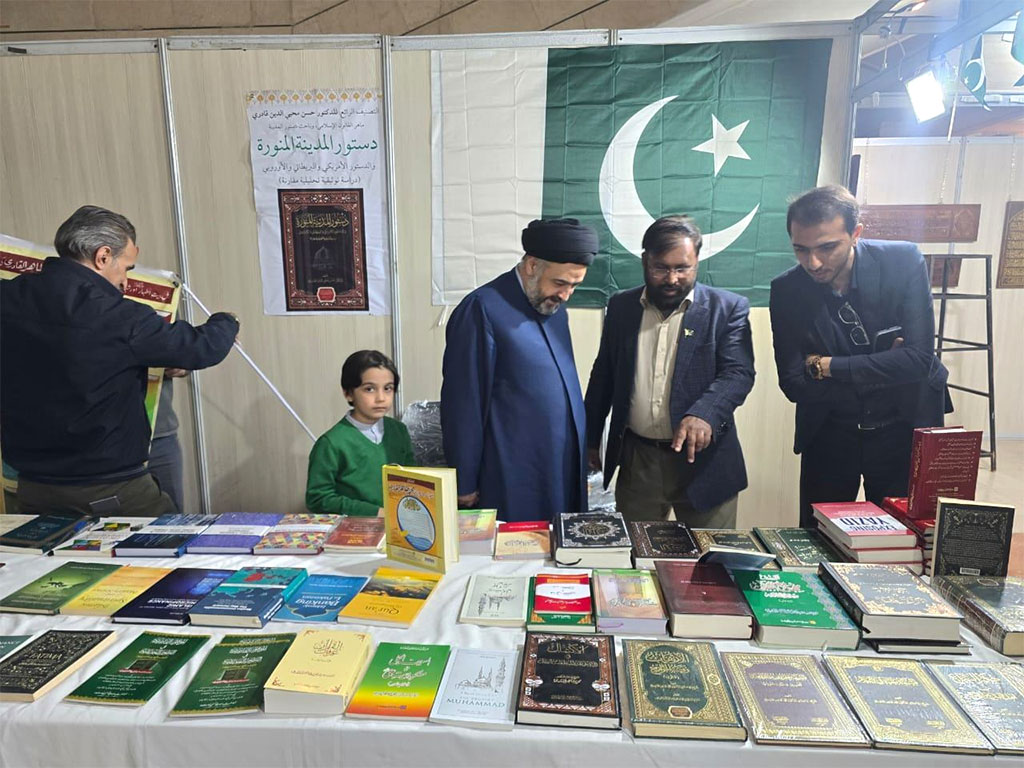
(859, 391)
(675, 361)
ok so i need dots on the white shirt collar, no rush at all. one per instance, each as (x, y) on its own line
(372, 432)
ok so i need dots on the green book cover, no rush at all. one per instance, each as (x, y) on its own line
(133, 676)
(574, 623)
(231, 679)
(797, 600)
(798, 548)
(9, 642)
(400, 682)
(48, 593)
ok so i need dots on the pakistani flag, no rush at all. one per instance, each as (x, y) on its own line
(973, 73)
(726, 133)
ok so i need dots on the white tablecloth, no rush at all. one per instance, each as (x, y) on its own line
(52, 732)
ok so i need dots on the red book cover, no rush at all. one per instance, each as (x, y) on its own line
(562, 593)
(943, 462)
(924, 527)
(700, 588)
(862, 525)
(357, 532)
(529, 525)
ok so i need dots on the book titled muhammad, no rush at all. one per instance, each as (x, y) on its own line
(943, 462)
(478, 690)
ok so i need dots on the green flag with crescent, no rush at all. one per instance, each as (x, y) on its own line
(726, 133)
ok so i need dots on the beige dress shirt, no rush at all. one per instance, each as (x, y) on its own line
(655, 362)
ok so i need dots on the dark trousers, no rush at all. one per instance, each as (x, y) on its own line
(167, 467)
(138, 497)
(832, 466)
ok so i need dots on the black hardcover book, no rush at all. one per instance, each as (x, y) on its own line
(605, 530)
(971, 538)
(33, 670)
(662, 540)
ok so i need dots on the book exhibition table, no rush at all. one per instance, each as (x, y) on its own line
(53, 732)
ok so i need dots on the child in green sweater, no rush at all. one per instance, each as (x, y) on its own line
(344, 466)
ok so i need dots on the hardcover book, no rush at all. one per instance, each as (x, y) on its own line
(943, 462)
(902, 707)
(320, 598)
(234, 533)
(972, 538)
(592, 540)
(318, 673)
(170, 599)
(527, 540)
(707, 538)
(550, 621)
(495, 601)
(401, 682)
(247, 598)
(9, 522)
(799, 549)
(569, 680)
(100, 539)
(661, 540)
(478, 690)
(391, 598)
(138, 672)
(421, 516)
(356, 534)
(628, 602)
(678, 689)
(890, 603)
(790, 701)
(114, 592)
(862, 525)
(299, 534)
(49, 593)
(42, 533)
(36, 668)
(796, 610)
(992, 608)
(992, 695)
(231, 678)
(476, 531)
(703, 601)
(167, 536)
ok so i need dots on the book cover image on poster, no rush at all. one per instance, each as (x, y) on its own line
(324, 249)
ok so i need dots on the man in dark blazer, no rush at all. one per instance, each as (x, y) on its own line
(675, 361)
(854, 338)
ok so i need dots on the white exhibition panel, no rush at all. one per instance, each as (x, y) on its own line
(52, 732)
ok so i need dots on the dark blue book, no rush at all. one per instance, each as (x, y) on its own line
(167, 536)
(40, 535)
(248, 598)
(170, 599)
(320, 598)
(234, 533)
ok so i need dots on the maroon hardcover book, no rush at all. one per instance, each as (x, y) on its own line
(700, 588)
(943, 462)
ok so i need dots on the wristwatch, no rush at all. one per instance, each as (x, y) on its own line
(814, 369)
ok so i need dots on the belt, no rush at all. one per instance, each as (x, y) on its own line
(663, 444)
(876, 425)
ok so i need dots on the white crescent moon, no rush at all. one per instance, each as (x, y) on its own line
(625, 215)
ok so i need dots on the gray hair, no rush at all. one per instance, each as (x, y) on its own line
(89, 229)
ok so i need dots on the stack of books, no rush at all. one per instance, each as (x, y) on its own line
(864, 533)
(943, 462)
(923, 527)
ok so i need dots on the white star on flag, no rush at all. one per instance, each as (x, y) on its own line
(724, 143)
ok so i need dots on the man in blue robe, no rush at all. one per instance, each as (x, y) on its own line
(512, 413)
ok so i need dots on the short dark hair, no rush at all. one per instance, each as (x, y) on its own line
(823, 204)
(90, 228)
(358, 362)
(664, 235)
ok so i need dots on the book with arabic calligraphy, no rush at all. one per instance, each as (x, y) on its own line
(401, 682)
(421, 524)
(318, 673)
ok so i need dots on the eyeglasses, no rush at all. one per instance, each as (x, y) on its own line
(662, 272)
(848, 316)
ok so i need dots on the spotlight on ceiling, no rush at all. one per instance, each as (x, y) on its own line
(926, 96)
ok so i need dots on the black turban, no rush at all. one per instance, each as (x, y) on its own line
(565, 241)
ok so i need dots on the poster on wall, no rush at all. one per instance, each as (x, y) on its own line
(318, 186)
(1011, 253)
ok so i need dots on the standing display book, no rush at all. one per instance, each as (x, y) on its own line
(247, 598)
(902, 707)
(421, 520)
(478, 690)
(678, 690)
(795, 610)
(115, 591)
(799, 549)
(320, 598)
(100, 539)
(391, 598)
(661, 540)
(628, 602)
(138, 672)
(400, 683)
(992, 695)
(231, 678)
(943, 462)
(48, 593)
(34, 669)
(318, 673)
(789, 700)
(234, 533)
(477, 528)
(569, 680)
(167, 536)
(495, 601)
(971, 538)
(703, 601)
(592, 540)
(42, 533)
(992, 608)
(170, 599)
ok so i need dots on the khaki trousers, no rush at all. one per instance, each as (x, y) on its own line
(138, 497)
